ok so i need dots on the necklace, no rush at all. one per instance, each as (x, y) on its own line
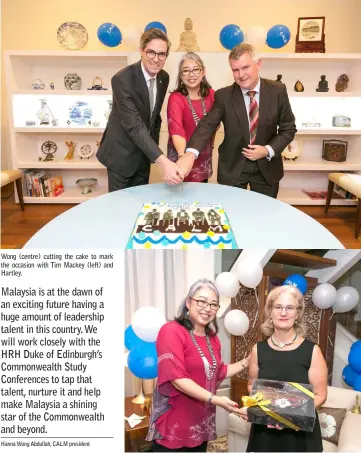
(194, 114)
(282, 345)
(209, 369)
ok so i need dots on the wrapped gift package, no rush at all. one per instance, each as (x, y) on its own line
(288, 404)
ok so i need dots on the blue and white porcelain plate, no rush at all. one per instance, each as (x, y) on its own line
(80, 113)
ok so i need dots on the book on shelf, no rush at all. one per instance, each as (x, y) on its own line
(40, 184)
(320, 194)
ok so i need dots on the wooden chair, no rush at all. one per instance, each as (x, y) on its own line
(8, 176)
(347, 183)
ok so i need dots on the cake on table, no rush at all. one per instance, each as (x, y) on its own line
(182, 226)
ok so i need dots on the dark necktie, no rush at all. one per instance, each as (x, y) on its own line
(151, 95)
(253, 116)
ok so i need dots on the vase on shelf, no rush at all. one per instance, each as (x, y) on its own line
(72, 81)
(108, 110)
(43, 113)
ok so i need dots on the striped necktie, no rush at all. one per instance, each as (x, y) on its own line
(151, 95)
(253, 116)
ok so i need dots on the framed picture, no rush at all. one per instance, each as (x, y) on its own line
(292, 151)
(310, 34)
(334, 150)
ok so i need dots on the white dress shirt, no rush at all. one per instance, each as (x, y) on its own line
(247, 101)
(147, 79)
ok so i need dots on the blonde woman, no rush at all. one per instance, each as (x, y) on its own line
(286, 355)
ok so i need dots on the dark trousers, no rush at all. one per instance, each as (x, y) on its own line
(251, 174)
(201, 447)
(139, 178)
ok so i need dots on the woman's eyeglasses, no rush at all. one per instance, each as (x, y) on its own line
(204, 304)
(288, 309)
(151, 55)
(187, 72)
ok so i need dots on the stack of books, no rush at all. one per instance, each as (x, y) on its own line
(40, 184)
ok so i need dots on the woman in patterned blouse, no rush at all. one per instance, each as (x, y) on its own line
(187, 105)
(190, 370)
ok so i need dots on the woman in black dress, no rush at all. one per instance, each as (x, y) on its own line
(287, 356)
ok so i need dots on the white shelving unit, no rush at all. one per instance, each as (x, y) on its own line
(308, 172)
(22, 68)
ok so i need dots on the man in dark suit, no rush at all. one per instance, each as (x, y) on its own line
(258, 126)
(130, 140)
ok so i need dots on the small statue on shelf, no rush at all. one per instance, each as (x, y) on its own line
(299, 87)
(85, 184)
(279, 78)
(341, 83)
(188, 39)
(322, 85)
(71, 149)
(52, 85)
(49, 148)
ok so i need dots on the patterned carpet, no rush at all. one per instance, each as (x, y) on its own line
(220, 444)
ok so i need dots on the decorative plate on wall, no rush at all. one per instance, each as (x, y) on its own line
(72, 35)
(80, 113)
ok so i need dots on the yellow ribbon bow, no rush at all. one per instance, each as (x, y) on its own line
(257, 400)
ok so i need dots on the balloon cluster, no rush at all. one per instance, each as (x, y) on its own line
(342, 300)
(277, 36)
(139, 339)
(249, 273)
(352, 372)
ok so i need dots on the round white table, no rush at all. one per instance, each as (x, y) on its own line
(257, 221)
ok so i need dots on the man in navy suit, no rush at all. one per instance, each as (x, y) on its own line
(130, 141)
(258, 126)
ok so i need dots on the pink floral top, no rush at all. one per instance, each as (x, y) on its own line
(181, 122)
(178, 420)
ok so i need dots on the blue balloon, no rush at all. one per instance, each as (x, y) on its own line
(298, 281)
(230, 36)
(357, 383)
(156, 24)
(143, 361)
(349, 375)
(278, 36)
(109, 35)
(356, 344)
(131, 340)
(354, 358)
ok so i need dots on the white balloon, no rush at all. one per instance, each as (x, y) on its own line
(236, 322)
(346, 299)
(324, 296)
(249, 273)
(256, 35)
(131, 37)
(227, 284)
(146, 323)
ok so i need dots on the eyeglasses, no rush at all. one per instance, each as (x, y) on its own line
(288, 309)
(151, 55)
(204, 304)
(195, 71)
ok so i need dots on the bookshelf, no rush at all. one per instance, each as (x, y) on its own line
(308, 172)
